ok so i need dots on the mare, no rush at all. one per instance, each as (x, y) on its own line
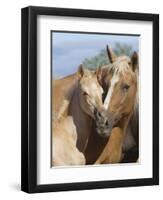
(117, 122)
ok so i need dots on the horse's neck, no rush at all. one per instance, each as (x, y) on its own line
(95, 146)
(82, 121)
(131, 138)
(70, 85)
(133, 124)
(67, 85)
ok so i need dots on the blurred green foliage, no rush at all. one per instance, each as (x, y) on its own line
(102, 58)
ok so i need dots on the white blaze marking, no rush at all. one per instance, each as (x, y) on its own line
(114, 80)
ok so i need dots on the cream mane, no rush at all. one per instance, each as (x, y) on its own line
(120, 66)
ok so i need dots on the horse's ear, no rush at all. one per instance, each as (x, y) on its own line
(80, 71)
(98, 73)
(111, 55)
(134, 61)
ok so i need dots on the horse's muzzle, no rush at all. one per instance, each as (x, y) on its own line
(104, 123)
(104, 132)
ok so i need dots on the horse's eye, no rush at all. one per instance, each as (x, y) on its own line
(125, 87)
(84, 93)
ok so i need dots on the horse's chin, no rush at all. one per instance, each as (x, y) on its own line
(88, 111)
(90, 114)
(104, 133)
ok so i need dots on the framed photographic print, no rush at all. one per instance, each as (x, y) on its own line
(90, 99)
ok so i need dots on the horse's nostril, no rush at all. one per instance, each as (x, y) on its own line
(106, 123)
(99, 114)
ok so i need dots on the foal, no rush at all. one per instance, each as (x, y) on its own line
(79, 96)
(64, 140)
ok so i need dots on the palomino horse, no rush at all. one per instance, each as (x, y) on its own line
(120, 116)
(80, 96)
(120, 104)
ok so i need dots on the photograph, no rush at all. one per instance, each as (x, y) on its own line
(90, 99)
(94, 98)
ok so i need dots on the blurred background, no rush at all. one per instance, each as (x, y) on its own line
(69, 50)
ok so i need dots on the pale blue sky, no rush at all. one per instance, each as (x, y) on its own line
(70, 49)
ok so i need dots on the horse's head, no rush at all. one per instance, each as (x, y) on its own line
(120, 85)
(90, 91)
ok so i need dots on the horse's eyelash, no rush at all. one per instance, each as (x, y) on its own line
(125, 87)
(84, 93)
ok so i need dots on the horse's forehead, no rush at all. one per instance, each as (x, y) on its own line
(121, 70)
(90, 86)
(128, 76)
(87, 80)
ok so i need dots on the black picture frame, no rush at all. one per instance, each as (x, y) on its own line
(29, 98)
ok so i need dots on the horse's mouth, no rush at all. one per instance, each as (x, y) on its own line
(106, 132)
(106, 122)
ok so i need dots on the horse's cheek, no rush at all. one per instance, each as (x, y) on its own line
(115, 104)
